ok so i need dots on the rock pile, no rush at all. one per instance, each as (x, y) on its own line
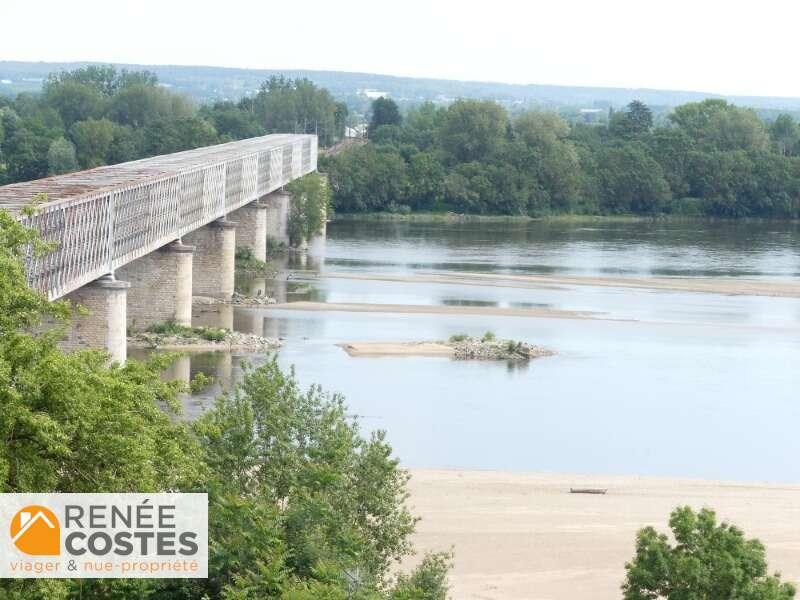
(232, 340)
(244, 300)
(476, 349)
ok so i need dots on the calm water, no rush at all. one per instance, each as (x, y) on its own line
(690, 385)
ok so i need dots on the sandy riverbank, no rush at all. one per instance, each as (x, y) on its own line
(523, 536)
(716, 285)
(436, 309)
(397, 349)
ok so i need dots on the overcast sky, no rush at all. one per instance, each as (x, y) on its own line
(732, 47)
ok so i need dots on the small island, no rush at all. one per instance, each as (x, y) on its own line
(459, 347)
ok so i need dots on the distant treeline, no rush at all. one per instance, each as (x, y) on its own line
(710, 158)
(97, 115)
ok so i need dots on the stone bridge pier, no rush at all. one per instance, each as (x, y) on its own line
(160, 286)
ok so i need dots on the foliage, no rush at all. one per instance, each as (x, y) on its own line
(707, 561)
(335, 499)
(56, 434)
(200, 382)
(298, 106)
(97, 115)
(245, 260)
(472, 130)
(298, 497)
(708, 158)
(61, 157)
(310, 207)
(384, 113)
(459, 337)
(489, 336)
(427, 582)
(171, 328)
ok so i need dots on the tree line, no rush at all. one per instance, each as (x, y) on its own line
(711, 158)
(97, 115)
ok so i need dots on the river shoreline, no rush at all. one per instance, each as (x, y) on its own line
(452, 217)
(717, 285)
(524, 536)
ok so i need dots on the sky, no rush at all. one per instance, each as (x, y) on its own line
(739, 47)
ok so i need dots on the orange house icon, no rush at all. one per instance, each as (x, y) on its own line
(35, 530)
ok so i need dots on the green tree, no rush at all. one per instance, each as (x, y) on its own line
(716, 125)
(285, 105)
(170, 135)
(367, 178)
(298, 497)
(555, 158)
(93, 139)
(472, 130)
(74, 101)
(103, 78)
(384, 112)
(425, 181)
(310, 207)
(61, 157)
(635, 121)
(707, 561)
(139, 105)
(630, 180)
(786, 134)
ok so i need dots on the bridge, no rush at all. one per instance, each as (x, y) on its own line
(134, 242)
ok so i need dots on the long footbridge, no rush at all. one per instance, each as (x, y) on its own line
(157, 230)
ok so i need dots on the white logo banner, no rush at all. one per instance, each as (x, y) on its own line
(104, 535)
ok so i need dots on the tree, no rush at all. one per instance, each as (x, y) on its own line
(169, 135)
(103, 78)
(61, 157)
(472, 130)
(367, 178)
(555, 158)
(139, 105)
(283, 105)
(706, 561)
(310, 207)
(384, 112)
(54, 426)
(716, 125)
(630, 180)
(298, 496)
(74, 101)
(93, 139)
(786, 134)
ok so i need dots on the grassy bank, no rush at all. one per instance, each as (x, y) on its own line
(427, 217)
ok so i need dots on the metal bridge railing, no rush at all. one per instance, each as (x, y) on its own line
(97, 233)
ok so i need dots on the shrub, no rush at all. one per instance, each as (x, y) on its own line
(489, 336)
(707, 561)
(246, 260)
(459, 337)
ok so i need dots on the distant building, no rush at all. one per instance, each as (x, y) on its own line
(373, 94)
(356, 131)
(6, 81)
(591, 115)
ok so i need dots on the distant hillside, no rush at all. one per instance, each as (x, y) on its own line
(206, 84)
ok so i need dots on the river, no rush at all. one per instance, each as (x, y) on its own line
(659, 382)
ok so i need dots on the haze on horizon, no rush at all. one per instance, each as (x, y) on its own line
(712, 46)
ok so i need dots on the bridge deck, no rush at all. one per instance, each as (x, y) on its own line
(108, 178)
(103, 218)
